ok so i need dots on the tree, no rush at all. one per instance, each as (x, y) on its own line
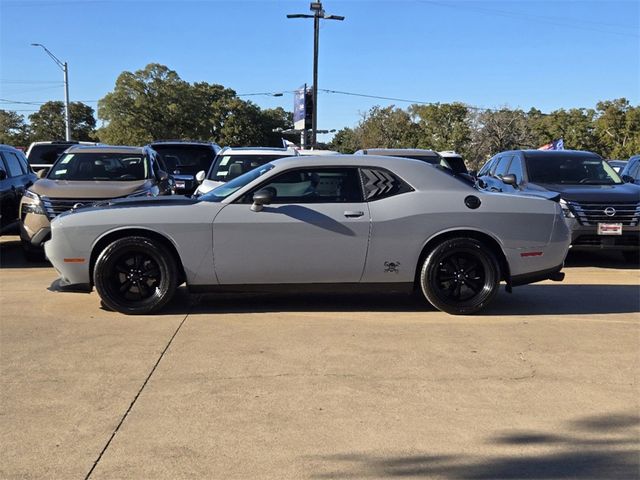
(346, 140)
(155, 103)
(618, 128)
(576, 126)
(387, 127)
(48, 122)
(443, 126)
(147, 105)
(496, 131)
(13, 130)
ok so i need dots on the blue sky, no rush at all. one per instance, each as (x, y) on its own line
(549, 55)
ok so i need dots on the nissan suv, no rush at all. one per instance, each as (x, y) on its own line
(185, 158)
(602, 211)
(85, 175)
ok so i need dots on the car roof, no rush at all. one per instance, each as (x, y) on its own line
(183, 142)
(258, 151)
(398, 152)
(105, 149)
(552, 153)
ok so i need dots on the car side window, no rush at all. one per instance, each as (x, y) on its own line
(516, 168)
(13, 164)
(487, 167)
(635, 171)
(502, 166)
(316, 185)
(379, 183)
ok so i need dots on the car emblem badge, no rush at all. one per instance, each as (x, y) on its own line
(609, 211)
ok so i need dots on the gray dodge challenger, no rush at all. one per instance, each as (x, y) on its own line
(315, 223)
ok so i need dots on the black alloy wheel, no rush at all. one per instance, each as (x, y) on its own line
(135, 275)
(460, 276)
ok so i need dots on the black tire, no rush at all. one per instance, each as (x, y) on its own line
(460, 276)
(632, 256)
(135, 275)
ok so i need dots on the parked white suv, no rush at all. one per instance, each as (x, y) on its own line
(233, 162)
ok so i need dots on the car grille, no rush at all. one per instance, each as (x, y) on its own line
(626, 213)
(55, 206)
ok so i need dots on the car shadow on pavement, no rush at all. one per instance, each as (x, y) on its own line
(588, 448)
(598, 259)
(11, 255)
(537, 299)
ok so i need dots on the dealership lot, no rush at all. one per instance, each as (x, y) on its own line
(544, 384)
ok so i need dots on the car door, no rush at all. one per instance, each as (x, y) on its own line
(315, 230)
(17, 181)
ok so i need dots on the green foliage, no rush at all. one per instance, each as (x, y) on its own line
(48, 122)
(13, 130)
(443, 126)
(155, 103)
(345, 141)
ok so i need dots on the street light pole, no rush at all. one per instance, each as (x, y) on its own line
(318, 14)
(65, 70)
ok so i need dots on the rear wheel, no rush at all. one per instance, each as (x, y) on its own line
(460, 276)
(135, 275)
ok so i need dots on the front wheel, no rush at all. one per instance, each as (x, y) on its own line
(460, 276)
(135, 275)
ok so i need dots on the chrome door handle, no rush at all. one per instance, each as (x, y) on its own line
(353, 214)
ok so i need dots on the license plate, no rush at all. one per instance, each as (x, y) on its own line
(609, 229)
(179, 183)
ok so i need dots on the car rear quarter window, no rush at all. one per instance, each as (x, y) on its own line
(378, 184)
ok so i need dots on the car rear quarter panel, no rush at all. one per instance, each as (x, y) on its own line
(400, 230)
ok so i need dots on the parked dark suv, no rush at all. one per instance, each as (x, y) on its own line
(601, 209)
(15, 177)
(184, 159)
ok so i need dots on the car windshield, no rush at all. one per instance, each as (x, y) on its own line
(571, 169)
(223, 191)
(199, 157)
(100, 166)
(230, 166)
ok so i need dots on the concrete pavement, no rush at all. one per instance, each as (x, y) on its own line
(543, 385)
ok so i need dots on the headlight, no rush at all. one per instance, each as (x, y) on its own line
(32, 195)
(565, 209)
(33, 206)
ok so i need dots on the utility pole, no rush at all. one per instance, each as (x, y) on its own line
(65, 70)
(318, 14)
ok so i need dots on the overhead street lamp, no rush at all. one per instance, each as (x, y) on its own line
(65, 70)
(318, 14)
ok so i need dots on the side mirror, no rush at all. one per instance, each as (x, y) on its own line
(510, 179)
(473, 173)
(162, 176)
(261, 198)
(628, 179)
(3, 174)
(41, 173)
(200, 176)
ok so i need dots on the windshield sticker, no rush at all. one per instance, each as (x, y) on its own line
(66, 159)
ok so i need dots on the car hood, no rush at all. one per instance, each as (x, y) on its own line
(88, 189)
(625, 192)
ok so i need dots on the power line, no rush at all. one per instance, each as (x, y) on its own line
(565, 22)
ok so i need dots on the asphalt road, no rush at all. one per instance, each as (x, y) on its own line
(543, 385)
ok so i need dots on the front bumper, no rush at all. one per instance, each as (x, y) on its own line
(585, 237)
